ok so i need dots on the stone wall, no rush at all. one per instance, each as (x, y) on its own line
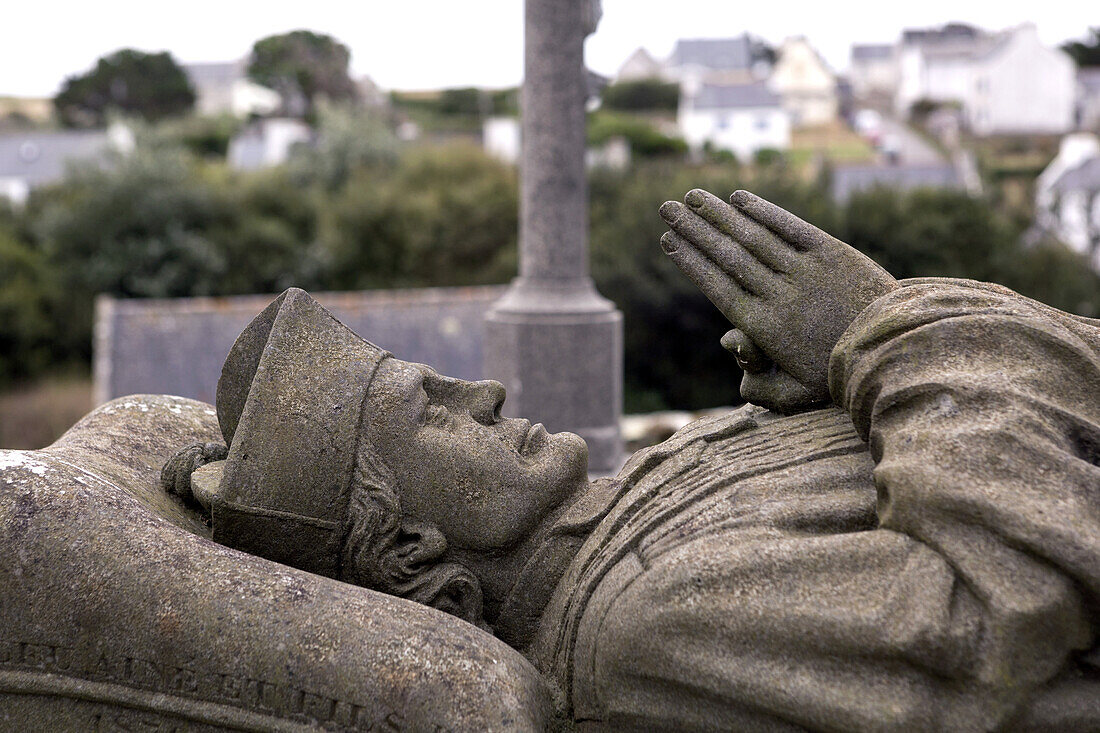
(176, 346)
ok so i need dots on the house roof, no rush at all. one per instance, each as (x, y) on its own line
(957, 41)
(40, 157)
(1089, 80)
(1084, 177)
(718, 53)
(871, 51)
(734, 96)
(643, 60)
(852, 179)
(950, 33)
(215, 72)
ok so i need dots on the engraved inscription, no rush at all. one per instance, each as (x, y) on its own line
(285, 701)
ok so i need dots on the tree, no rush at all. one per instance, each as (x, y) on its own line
(302, 66)
(1087, 52)
(148, 84)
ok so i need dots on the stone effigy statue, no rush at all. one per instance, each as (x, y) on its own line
(901, 532)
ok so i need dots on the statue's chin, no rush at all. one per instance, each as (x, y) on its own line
(573, 452)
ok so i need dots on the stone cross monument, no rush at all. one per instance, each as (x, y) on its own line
(553, 341)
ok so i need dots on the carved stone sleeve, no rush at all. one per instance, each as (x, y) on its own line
(982, 410)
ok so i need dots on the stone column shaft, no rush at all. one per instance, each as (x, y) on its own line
(551, 339)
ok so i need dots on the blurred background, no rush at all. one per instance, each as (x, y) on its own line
(234, 150)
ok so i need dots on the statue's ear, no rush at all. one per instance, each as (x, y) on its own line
(413, 566)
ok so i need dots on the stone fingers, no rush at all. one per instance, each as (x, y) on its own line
(720, 248)
(761, 242)
(748, 355)
(798, 233)
(731, 299)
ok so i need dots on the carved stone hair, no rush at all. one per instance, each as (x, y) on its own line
(387, 552)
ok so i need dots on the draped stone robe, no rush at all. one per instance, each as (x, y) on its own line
(926, 556)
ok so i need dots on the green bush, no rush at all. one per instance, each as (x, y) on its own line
(645, 140)
(28, 300)
(641, 95)
(347, 140)
(445, 216)
(158, 223)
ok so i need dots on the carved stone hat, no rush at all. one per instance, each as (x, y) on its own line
(289, 404)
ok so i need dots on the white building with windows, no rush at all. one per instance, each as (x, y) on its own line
(741, 118)
(1004, 83)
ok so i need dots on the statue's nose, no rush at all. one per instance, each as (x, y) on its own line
(481, 399)
(487, 399)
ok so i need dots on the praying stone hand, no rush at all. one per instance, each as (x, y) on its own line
(789, 289)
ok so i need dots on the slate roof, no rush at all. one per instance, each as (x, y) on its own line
(949, 33)
(723, 54)
(871, 51)
(735, 96)
(851, 179)
(1089, 80)
(1085, 177)
(955, 41)
(216, 73)
(40, 157)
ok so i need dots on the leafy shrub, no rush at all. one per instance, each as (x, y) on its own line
(644, 94)
(445, 216)
(28, 299)
(645, 140)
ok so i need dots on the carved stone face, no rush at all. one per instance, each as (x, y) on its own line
(485, 481)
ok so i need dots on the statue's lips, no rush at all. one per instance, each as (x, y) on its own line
(534, 439)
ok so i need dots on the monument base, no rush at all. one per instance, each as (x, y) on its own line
(557, 348)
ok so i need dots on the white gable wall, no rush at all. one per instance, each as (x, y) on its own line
(806, 85)
(1023, 87)
(949, 80)
(911, 79)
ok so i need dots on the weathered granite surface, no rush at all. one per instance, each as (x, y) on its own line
(117, 612)
(177, 345)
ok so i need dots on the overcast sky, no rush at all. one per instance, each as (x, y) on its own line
(438, 43)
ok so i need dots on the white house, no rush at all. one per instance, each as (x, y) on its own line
(873, 71)
(640, 65)
(805, 83)
(1006, 82)
(742, 118)
(1067, 195)
(224, 88)
(267, 142)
